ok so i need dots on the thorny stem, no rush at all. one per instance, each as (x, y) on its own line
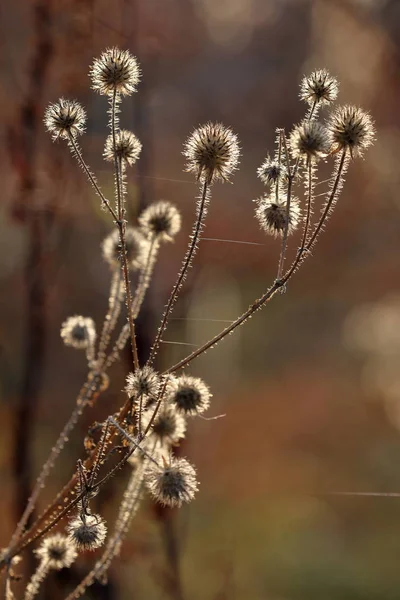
(37, 578)
(114, 305)
(201, 212)
(309, 205)
(288, 200)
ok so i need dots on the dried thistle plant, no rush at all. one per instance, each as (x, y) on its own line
(152, 418)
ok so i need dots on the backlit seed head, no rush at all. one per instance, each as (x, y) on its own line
(136, 248)
(172, 484)
(87, 532)
(127, 147)
(161, 219)
(212, 152)
(168, 426)
(143, 382)
(190, 395)
(310, 140)
(271, 214)
(271, 171)
(65, 118)
(57, 551)
(78, 332)
(116, 70)
(319, 88)
(351, 129)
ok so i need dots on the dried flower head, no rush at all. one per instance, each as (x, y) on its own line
(271, 214)
(127, 147)
(212, 152)
(65, 118)
(310, 140)
(271, 171)
(116, 70)
(173, 484)
(190, 395)
(319, 88)
(87, 532)
(78, 332)
(136, 248)
(57, 551)
(168, 426)
(351, 129)
(161, 219)
(143, 382)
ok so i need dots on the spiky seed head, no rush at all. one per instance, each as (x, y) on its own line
(271, 171)
(87, 532)
(137, 248)
(212, 152)
(190, 395)
(65, 118)
(127, 147)
(116, 70)
(78, 332)
(319, 88)
(168, 426)
(310, 140)
(271, 214)
(172, 484)
(57, 551)
(352, 129)
(143, 382)
(161, 220)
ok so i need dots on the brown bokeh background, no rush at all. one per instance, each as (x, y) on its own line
(309, 386)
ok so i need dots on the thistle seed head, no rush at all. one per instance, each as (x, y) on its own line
(190, 395)
(351, 129)
(127, 147)
(172, 484)
(271, 171)
(65, 118)
(136, 248)
(78, 332)
(143, 382)
(87, 532)
(319, 88)
(58, 551)
(116, 70)
(161, 220)
(212, 152)
(310, 140)
(271, 214)
(168, 426)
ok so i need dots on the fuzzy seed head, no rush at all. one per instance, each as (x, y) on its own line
(161, 220)
(136, 248)
(168, 426)
(65, 118)
(351, 129)
(127, 147)
(116, 70)
(78, 332)
(143, 382)
(319, 88)
(58, 551)
(87, 532)
(190, 395)
(212, 152)
(172, 484)
(271, 214)
(271, 171)
(309, 140)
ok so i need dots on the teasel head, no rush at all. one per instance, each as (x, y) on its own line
(168, 428)
(57, 551)
(136, 248)
(87, 532)
(212, 152)
(351, 129)
(271, 214)
(310, 140)
(189, 395)
(65, 118)
(127, 147)
(143, 382)
(319, 88)
(172, 483)
(272, 171)
(115, 71)
(78, 332)
(161, 221)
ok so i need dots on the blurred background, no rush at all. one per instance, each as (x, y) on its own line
(310, 386)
